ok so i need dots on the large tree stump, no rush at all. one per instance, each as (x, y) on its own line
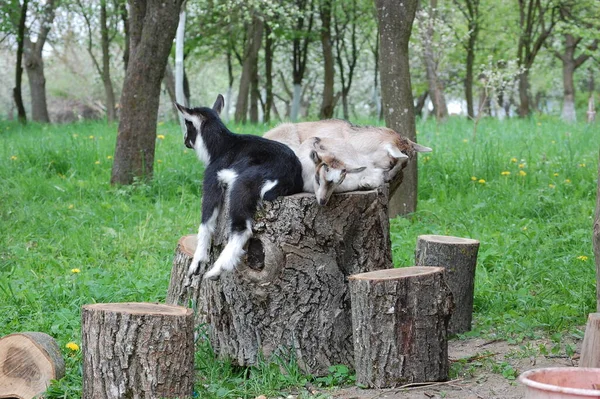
(590, 349)
(28, 362)
(400, 320)
(290, 292)
(459, 257)
(137, 350)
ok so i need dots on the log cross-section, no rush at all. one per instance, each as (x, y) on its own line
(290, 293)
(400, 320)
(137, 350)
(28, 362)
(459, 257)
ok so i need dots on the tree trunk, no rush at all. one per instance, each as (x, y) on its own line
(590, 348)
(395, 24)
(250, 62)
(290, 292)
(254, 94)
(34, 65)
(153, 25)
(125, 18)
(169, 82)
(459, 257)
(111, 115)
(29, 361)
(17, 91)
(268, 74)
(469, 76)
(524, 105)
(137, 350)
(327, 104)
(400, 320)
(436, 87)
(421, 103)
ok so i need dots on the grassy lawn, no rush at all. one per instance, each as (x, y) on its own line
(524, 188)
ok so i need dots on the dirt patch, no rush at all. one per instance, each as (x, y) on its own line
(486, 371)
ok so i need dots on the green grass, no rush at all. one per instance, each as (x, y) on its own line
(58, 213)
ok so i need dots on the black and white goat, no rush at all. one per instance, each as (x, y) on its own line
(245, 168)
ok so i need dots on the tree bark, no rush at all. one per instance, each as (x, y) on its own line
(17, 91)
(590, 348)
(28, 363)
(34, 65)
(137, 350)
(400, 319)
(250, 63)
(395, 25)
(327, 104)
(152, 29)
(469, 75)
(290, 292)
(111, 115)
(300, 42)
(459, 257)
(436, 86)
(269, 48)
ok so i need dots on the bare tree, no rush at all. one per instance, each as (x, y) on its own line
(431, 59)
(104, 69)
(327, 104)
(395, 26)
(34, 63)
(250, 67)
(301, 39)
(17, 91)
(537, 19)
(152, 28)
(470, 11)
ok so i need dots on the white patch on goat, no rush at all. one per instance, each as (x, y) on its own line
(199, 147)
(205, 233)
(394, 151)
(231, 254)
(227, 176)
(333, 175)
(269, 184)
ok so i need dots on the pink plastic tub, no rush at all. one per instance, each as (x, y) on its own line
(562, 383)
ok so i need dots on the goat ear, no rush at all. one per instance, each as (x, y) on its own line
(218, 105)
(314, 156)
(189, 114)
(356, 170)
(421, 148)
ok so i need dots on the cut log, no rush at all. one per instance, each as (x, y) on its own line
(459, 257)
(400, 320)
(590, 349)
(290, 293)
(28, 362)
(137, 350)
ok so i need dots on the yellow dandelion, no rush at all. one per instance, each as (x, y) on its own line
(75, 271)
(91, 137)
(159, 160)
(522, 173)
(582, 165)
(513, 160)
(567, 181)
(582, 258)
(426, 159)
(539, 124)
(73, 346)
(521, 165)
(555, 174)
(553, 141)
(13, 158)
(97, 162)
(185, 151)
(524, 228)
(161, 136)
(465, 141)
(71, 206)
(481, 181)
(109, 157)
(505, 173)
(473, 178)
(551, 185)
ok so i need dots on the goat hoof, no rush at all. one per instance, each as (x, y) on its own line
(212, 277)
